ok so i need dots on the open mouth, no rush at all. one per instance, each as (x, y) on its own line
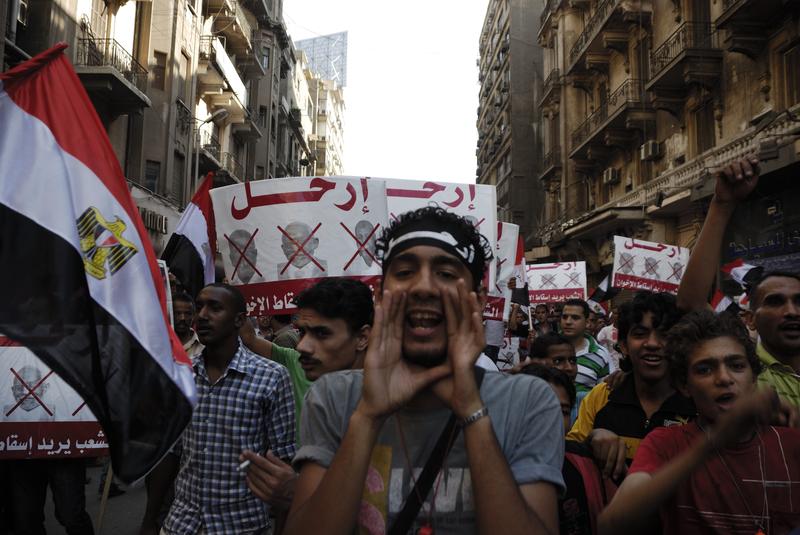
(423, 323)
(791, 328)
(725, 400)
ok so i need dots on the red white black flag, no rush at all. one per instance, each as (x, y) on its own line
(78, 276)
(190, 250)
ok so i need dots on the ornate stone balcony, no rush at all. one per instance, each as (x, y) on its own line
(614, 123)
(691, 55)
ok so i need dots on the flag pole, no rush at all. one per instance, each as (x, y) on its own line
(104, 498)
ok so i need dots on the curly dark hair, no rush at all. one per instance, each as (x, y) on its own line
(339, 298)
(239, 304)
(440, 219)
(664, 307)
(697, 327)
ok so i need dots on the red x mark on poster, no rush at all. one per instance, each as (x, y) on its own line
(242, 254)
(301, 248)
(499, 264)
(361, 246)
(31, 392)
(574, 278)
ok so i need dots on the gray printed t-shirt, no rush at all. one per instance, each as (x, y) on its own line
(526, 418)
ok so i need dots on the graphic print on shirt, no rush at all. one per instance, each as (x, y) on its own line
(387, 487)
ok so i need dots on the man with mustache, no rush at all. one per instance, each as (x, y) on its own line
(334, 318)
(365, 434)
(183, 317)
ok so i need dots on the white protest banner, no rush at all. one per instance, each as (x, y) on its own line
(645, 265)
(475, 202)
(557, 282)
(509, 258)
(277, 237)
(42, 416)
(508, 356)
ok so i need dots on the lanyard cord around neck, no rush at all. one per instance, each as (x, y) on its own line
(407, 457)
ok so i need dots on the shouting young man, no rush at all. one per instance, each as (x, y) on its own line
(365, 434)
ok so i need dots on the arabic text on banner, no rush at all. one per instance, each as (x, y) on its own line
(645, 265)
(557, 282)
(42, 416)
(475, 202)
(277, 237)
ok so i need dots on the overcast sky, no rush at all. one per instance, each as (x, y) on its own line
(412, 83)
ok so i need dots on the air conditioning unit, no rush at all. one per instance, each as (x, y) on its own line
(611, 175)
(651, 150)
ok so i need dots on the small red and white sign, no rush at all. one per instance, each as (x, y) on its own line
(556, 282)
(644, 265)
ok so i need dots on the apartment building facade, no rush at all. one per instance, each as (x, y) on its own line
(327, 139)
(183, 88)
(509, 143)
(643, 99)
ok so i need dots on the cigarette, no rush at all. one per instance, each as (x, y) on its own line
(244, 465)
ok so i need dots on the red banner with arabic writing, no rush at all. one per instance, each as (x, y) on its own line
(51, 440)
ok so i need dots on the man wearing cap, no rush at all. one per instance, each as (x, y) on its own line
(366, 435)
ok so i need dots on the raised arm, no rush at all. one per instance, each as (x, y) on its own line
(734, 183)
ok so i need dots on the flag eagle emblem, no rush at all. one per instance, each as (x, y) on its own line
(102, 243)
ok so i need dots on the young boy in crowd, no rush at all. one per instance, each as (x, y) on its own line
(587, 492)
(614, 422)
(728, 471)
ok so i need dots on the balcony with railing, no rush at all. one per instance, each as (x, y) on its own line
(233, 166)
(111, 75)
(606, 29)
(218, 80)
(230, 22)
(690, 55)
(749, 23)
(614, 121)
(551, 88)
(551, 163)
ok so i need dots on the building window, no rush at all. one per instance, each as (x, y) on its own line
(704, 127)
(262, 116)
(159, 70)
(186, 78)
(259, 172)
(791, 68)
(152, 173)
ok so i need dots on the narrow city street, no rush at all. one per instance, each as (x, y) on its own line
(122, 515)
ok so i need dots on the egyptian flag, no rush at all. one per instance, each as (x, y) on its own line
(604, 292)
(745, 274)
(190, 250)
(722, 303)
(78, 277)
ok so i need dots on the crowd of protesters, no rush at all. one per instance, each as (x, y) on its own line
(384, 412)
